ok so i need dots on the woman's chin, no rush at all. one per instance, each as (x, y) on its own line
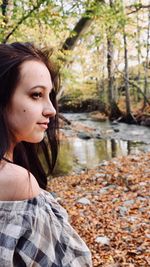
(36, 139)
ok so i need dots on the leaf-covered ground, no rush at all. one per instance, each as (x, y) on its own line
(110, 209)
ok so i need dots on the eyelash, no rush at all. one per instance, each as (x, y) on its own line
(36, 95)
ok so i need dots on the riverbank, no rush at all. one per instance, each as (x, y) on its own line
(99, 111)
(109, 206)
(96, 125)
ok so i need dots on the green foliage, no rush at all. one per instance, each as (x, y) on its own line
(112, 18)
(50, 22)
(27, 14)
(81, 91)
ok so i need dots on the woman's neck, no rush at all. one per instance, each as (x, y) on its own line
(9, 154)
(8, 160)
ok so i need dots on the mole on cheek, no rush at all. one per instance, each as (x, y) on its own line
(24, 110)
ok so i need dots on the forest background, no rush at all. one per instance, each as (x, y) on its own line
(102, 49)
(101, 46)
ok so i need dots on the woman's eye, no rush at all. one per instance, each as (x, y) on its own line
(36, 95)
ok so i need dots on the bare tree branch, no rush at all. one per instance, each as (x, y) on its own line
(136, 9)
(139, 89)
(132, 83)
(24, 17)
(136, 86)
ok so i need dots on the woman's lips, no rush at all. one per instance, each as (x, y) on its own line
(43, 125)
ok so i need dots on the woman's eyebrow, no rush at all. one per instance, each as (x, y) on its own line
(41, 86)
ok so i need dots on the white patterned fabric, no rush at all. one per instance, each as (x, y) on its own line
(36, 233)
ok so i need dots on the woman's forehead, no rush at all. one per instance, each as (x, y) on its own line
(35, 72)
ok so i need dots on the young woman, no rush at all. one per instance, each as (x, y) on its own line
(34, 230)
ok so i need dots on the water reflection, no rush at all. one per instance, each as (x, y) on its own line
(78, 154)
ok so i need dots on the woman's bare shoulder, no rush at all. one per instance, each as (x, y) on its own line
(16, 183)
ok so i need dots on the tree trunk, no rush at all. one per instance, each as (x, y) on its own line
(129, 118)
(138, 55)
(79, 28)
(102, 83)
(115, 113)
(146, 65)
(110, 54)
(110, 70)
(128, 105)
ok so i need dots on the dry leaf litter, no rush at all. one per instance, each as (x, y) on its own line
(109, 207)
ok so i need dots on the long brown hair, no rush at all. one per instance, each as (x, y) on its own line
(26, 154)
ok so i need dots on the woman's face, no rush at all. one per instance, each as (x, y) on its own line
(30, 107)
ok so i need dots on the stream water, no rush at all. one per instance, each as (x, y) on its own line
(117, 139)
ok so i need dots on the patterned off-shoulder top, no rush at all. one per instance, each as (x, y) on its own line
(36, 233)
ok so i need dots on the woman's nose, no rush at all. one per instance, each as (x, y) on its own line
(49, 110)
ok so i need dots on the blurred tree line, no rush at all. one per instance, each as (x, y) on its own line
(105, 43)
